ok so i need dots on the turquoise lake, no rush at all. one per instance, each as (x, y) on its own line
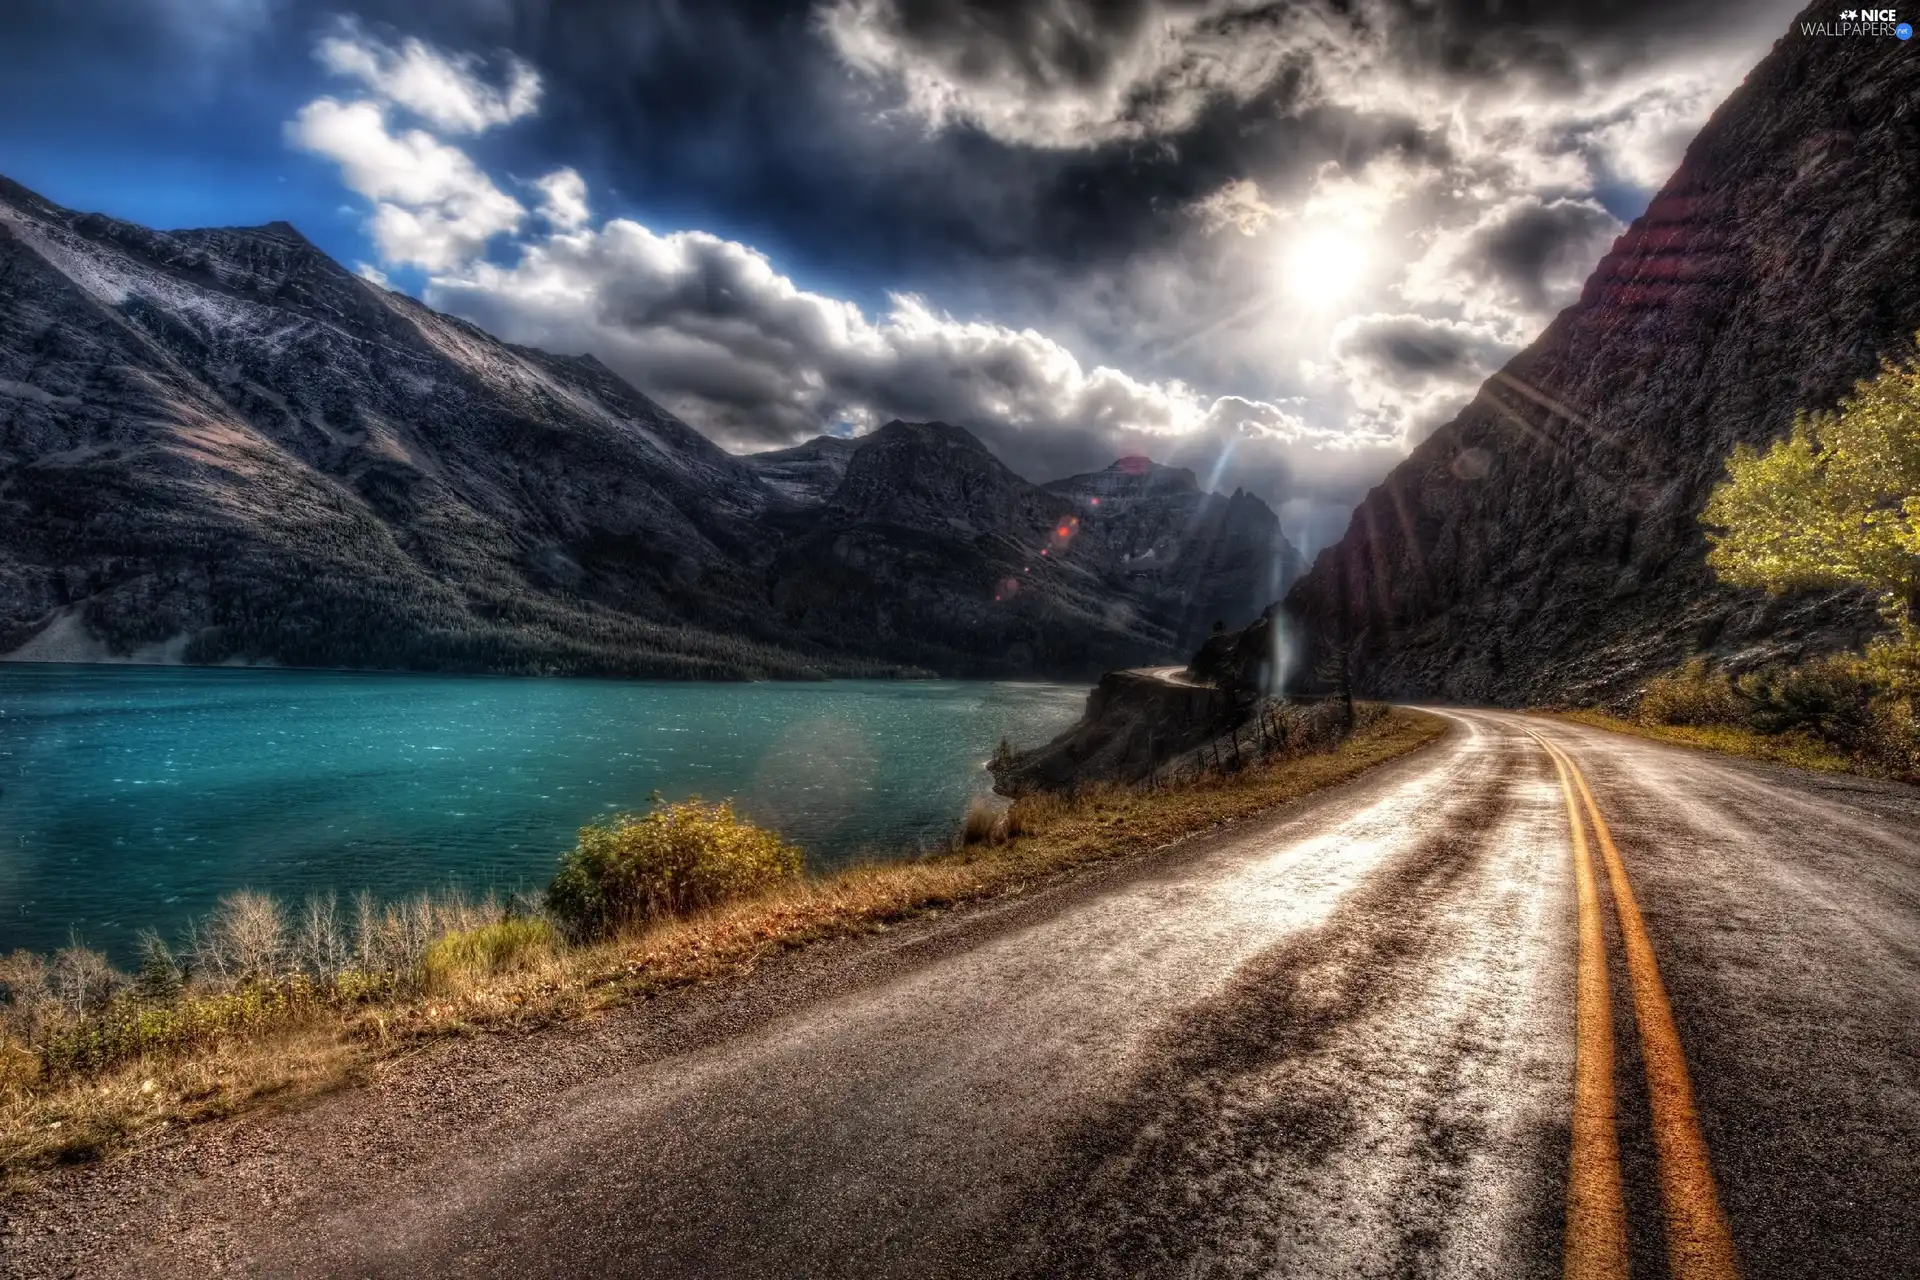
(134, 797)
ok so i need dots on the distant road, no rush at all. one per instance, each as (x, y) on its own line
(1341, 1040)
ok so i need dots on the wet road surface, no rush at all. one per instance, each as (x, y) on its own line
(1346, 1039)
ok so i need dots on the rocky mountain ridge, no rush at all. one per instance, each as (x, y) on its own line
(221, 446)
(1209, 558)
(1544, 546)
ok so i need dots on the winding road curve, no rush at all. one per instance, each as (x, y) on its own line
(1538, 1000)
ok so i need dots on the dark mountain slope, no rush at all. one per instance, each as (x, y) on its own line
(807, 473)
(1201, 557)
(223, 442)
(1545, 545)
(933, 550)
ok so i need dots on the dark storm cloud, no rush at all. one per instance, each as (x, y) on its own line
(1033, 166)
(1409, 346)
(743, 117)
(1531, 243)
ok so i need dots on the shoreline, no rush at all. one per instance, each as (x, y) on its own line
(317, 1048)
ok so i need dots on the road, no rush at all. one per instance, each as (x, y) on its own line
(1346, 1039)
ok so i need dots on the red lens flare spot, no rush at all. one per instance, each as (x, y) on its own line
(1096, 502)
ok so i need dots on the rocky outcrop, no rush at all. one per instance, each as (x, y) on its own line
(1134, 722)
(1204, 558)
(1545, 544)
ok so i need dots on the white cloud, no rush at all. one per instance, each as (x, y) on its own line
(1519, 261)
(1237, 205)
(1406, 373)
(1471, 232)
(432, 206)
(713, 329)
(564, 199)
(1057, 75)
(442, 88)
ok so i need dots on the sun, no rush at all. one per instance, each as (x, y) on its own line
(1324, 267)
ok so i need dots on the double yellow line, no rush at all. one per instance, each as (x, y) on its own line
(1699, 1245)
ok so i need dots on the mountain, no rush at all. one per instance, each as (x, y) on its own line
(220, 446)
(1203, 557)
(936, 548)
(807, 473)
(1545, 545)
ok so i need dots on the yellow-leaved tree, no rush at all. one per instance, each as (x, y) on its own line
(1837, 504)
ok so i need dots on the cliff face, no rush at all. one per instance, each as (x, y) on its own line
(1545, 544)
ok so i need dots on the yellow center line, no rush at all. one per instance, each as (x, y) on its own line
(1596, 1241)
(1699, 1243)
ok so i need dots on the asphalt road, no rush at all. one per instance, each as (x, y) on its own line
(1343, 1040)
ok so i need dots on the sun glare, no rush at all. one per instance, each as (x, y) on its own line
(1324, 267)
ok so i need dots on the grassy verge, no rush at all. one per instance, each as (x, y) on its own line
(280, 1050)
(1795, 749)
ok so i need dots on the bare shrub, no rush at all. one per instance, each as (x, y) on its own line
(389, 937)
(320, 947)
(26, 998)
(81, 980)
(985, 822)
(244, 940)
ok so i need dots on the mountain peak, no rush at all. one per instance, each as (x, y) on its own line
(929, 433)
(1134, 476)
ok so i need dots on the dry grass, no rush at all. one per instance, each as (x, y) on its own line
(488, 979)
(1795, 749)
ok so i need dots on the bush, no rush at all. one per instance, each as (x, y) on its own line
(1830, 697)
(1896, 736)
(1697, 694)
(1859, 707)
(674, 859)
(511, 945)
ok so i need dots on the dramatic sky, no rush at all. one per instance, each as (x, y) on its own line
(1276, 242)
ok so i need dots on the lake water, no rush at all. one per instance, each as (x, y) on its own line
(135, 797)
